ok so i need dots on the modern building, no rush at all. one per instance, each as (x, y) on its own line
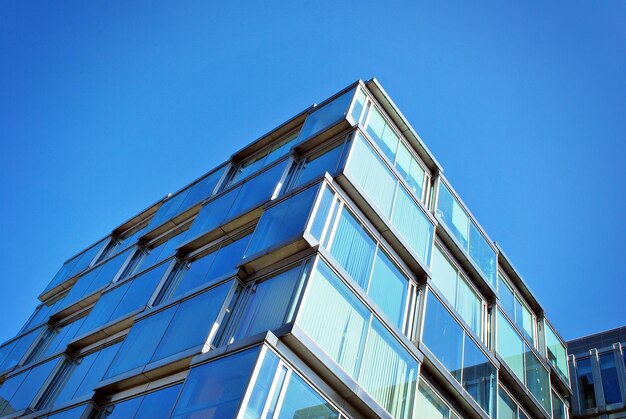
(596, 363)
(326, 270)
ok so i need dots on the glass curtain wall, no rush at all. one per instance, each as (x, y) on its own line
(556, 351)
(516, 309)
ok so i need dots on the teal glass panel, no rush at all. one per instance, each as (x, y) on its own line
(282, 222)
(482, 254)
(268, 304)
(558, 407)
(453, 215)
(470, 307)
(411, 171)
(443, 336)
(302, 401)
(507, 408)
(389, 288)
(506, 297)
(215, 389)
(524, 320)
(429, 405)
(510, 347)
(340, 332)
(413, 225)
(382, 133)
(359, 105)
(479, 377)
(353, 247)
(445, 275)
(556, 352)
(372, 175)
(326, 116)
(389, 373)
(538, 380)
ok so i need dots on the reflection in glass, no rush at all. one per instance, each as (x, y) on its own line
(610, 381)
(585, 383)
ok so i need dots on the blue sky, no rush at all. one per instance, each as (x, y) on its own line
(105, 107)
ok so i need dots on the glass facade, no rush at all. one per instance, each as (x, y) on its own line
(319, 273)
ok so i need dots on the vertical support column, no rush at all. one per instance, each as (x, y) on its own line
(597, 379)
(621, 369)
(576, 405)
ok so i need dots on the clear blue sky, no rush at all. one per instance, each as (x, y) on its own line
(105, 107)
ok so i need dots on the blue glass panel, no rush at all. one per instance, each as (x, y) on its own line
(443, 336)
(359, 104)
(284, 221)
(202, 190)
(322, 214)
(586, 387)
(14, 352)
(411, 171)
(353, 247)
(213, 214)
(29, 387)
(389, 288)
(453, 215)
(215, 390)
(326, 116)
(158, 404)
(73, 413)
(140, 291)
(101, 312)
(66, 334)
(319, 164)
(506, 297)
(123, 410)
(168, 210)
(262, 386)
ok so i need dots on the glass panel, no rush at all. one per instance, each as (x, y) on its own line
(301, 401)
(507, 409)
(202, 190)
(506, 297)
(556, 352)
(168, 210)
(429, 405)
(213, 214)
(76, 265)
(60, 341)
(339, 332)
(558, 408)
(610, 381)
(389, 373)
(359, 104)
(524, 320)
(443, 336)
(382, 133)
(453, 215)
(269, 303)
(444, 275)
(158, 404)
(79, 412)
(214, 390)
(413, 225)
(585, 384)
(372, 175)
(470, 307)
(354, 248)
(15, 351)
(318, 164)
(282, 222)
(83, 376)
(122, 410)
(19, 391)
(479, 377)
(326, 116)
(139, 345)
(271, 154)
(538, 380)
(164, 250)
(482, 254)
(411, 171)
(185, 331)
(262, 386)
(389, 288)
(510, 347)
(322, 214)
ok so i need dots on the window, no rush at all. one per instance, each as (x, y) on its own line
(171, 331)
(537, 379)
(77, 378)
(123, 299)
(55, 340)
(454, 287)
(204, 271)
(268, 304)
(382, 133)
(586, 386)
(610, 381)
(555, 349)
(215, 389)
(18, 392)
(507, 408)
(559, 411)
(326, 116)
(516, 309)
(317, 164)
(283, 221)
(12, 353)
(467, 233)
(430, 405)
(157, 404)
(459, 354)
(341, 333)
(75, 266)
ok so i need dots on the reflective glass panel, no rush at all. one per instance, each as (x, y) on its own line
(301, 401)
(558, 408)
(411, 171)
(429, 405)
(479, 377)
(507, 408)
(326, 116)
(453, 215)
(413, 225)
(389, 288)
(482, 254)
(556, 352)
(382, 133)
(585, 383)
(318, 164)
(610, 381)
(510, 347)
(538, 380)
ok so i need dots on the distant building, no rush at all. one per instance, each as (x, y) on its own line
(597, 366)
(326, 270)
